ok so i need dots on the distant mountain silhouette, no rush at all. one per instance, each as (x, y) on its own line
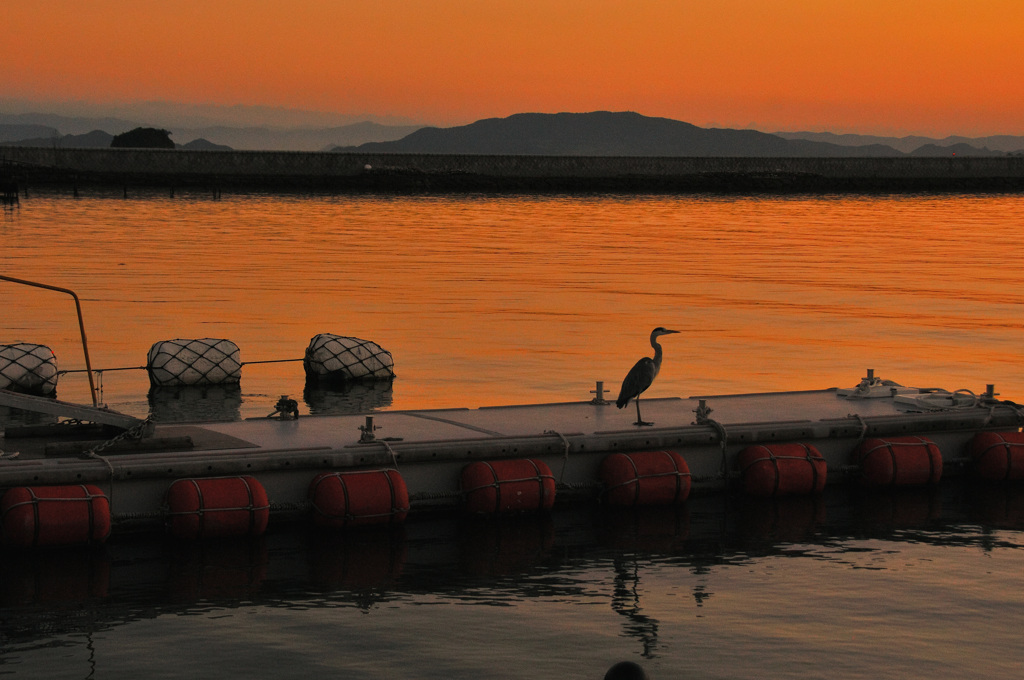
(79, 117)
(599, 133)
(97, 139)
(94, 139)
(203, 145)
(604, 133)
(298, 139)
(961, 149)
(40, 129)
(68, 124)
(17, 132)
(993, 145)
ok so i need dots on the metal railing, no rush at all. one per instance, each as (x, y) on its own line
(81, 326)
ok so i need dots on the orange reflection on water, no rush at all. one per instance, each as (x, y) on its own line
(497, 300)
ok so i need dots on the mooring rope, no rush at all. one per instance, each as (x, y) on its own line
(863, 424)
(289, 506)
(1015, 407)
(269, 361)
(565, 456)
(723, 439)
(394, 456)
(435, 495)
(143, 368)
(110, 467)
(133, 432)
(101, 370)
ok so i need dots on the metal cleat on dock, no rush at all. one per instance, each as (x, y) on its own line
(286, 408)
(367, 436)
(702, 411)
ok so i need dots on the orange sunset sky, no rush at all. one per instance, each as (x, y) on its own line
(935, 67)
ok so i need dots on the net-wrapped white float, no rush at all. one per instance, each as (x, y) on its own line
(203, 361)
(28, 368)
(338, 358)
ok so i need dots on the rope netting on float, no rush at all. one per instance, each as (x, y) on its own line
(338, 358)
(29, 368)
(203, 361)
(330, 360)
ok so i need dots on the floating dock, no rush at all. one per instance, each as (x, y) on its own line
(385, 465)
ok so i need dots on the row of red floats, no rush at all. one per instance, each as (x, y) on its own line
(211, 507)
(772, 470)
(238, 506)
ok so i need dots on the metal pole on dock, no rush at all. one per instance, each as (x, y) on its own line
(81, 326)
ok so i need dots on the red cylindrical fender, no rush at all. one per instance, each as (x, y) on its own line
(216, 507)
(998, 456)
(343, 499)
(782, 470)
(55, 515)
(504, 486)
(899, 461)
(645, 478)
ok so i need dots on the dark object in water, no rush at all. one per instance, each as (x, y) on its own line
(626, 670)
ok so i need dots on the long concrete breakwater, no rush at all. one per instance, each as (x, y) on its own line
(284, 170)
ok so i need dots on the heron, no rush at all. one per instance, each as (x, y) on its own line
(642, 375)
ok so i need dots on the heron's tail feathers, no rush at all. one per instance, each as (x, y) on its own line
(622, 401)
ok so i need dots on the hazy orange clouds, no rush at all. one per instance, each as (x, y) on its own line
(929, 66)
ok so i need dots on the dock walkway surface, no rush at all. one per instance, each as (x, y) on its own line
(455, 436)
(813, 413)
(374, 172)
(578, 419)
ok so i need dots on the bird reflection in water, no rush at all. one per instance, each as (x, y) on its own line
(626, 601)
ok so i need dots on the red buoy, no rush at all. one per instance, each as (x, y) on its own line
(782, 470)
(217, 507)
(504, 486)
(998, 456)
(55, 515)
(343, 499)
(645, 478)
(899, 461)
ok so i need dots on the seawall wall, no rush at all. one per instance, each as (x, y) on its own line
(365, 171)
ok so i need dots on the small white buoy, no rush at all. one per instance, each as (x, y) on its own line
(25, 367)
(341, 358)
(204, 361)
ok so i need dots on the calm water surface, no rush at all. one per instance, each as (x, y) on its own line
(501, 300)
(906, 586)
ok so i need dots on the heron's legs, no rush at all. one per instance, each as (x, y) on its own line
(639, 420)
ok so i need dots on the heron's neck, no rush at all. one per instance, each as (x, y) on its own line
(657, 352)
